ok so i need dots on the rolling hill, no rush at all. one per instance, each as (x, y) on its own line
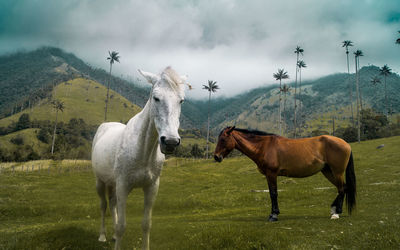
(320, 101)
(84, 110)
(83, 99)
(28, 78)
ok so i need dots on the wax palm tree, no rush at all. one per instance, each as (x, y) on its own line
(285, 89)
(385, 71)
(357, 54)
(297, 51)
(212, 87)
(347, 44)
(113, 57)
(59, 106)
(281, 74)
(301, 64)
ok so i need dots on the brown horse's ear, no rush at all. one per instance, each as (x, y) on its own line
(230, 130)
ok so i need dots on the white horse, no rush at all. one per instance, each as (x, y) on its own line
(131, 156)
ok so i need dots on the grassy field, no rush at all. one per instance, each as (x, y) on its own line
(205, 205)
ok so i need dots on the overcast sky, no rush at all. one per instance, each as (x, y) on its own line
(237, 43)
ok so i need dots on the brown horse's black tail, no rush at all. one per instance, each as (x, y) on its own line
(350, 185)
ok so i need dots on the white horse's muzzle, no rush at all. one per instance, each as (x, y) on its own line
(169, 144)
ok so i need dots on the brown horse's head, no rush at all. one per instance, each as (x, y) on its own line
(226, 143)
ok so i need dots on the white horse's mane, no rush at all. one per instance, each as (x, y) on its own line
(173, 79)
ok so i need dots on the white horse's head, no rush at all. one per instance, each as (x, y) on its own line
(167, 95)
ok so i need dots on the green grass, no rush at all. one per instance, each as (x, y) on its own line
(205, 205)
(29, 137)
(80, 102)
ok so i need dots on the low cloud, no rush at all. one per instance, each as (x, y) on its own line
(239, 44)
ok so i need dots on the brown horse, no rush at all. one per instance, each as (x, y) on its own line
(279, 156)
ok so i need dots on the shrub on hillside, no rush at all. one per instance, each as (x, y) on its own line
(44, 135)
(17, 140)
(24, 122)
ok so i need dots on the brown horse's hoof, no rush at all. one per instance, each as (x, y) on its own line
(273, 217)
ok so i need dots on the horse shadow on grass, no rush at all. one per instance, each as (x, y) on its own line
(71, 237)
(264, 218)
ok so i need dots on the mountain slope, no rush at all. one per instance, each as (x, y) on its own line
(320, 101)
(83, 99)
(26, 77)
(30, 138)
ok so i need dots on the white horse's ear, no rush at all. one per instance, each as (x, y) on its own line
(150, 77)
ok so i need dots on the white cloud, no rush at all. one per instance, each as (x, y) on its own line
(239, 44)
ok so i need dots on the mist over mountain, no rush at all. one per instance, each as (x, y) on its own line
(26, 77)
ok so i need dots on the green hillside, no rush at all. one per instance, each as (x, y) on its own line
(205, 205)
(83, 111)
(83, 99)
(27, 77)
(28, 80)
(320, 100)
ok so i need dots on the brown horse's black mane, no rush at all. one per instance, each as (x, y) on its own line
(250, 132)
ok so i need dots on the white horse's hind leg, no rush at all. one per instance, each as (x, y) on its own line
(122, 195)
(150, 193)
(101, 191)
(112, 199)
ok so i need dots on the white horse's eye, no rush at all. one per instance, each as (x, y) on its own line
(181, 101)
(156, 99)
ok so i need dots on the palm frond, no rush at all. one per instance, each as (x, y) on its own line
(59, 105)
(206, 87)
(285, 88)
(358, 53)
(347, 43)
(281, 74)
(113, 57)
(299, 50)
(385, 70)
(211, 87)
(301, 64)
(375, 80)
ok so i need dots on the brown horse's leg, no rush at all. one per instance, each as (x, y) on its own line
(273, 193)
(338, 181)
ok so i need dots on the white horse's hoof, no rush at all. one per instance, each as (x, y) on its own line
(334, 216)
(102, 238)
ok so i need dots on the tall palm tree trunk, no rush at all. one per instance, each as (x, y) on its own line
(108, 92)
(54, 134)
(350, 88)
(358, 105)
(280, 108)
(300, 113)
(284, 113)
(295, 97)
(208, 123)
(386, 99)
(359, 82)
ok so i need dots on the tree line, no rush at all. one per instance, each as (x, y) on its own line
(356, 124)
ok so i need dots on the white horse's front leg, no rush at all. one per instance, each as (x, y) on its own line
(122, 195)
(150, 193)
